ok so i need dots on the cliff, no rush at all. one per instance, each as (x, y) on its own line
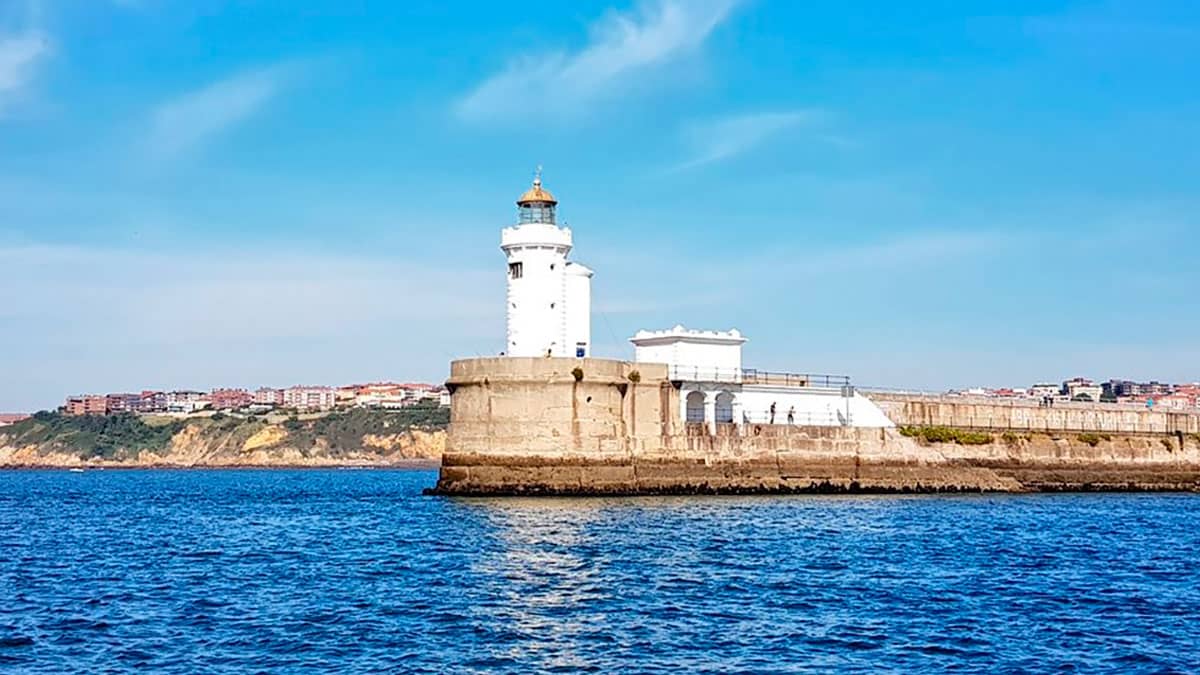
(349, 438)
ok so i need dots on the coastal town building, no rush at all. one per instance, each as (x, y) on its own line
(1044, 391)
(268, 396)
(1081, 389)
(122, 403)
(230, 399)
(1176, 401)
(1128, 389)
(310, 398)
(186, 401)
(549, 297)
(153, 401)
(387, 395)
(1191, 389)
(12, 418)
(185, 396)
(87, 404)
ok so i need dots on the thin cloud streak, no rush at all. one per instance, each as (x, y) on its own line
(195, 118)
(728, 137)
(19, 55)
(623, 47)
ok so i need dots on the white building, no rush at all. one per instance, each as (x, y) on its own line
(268, 396)
(186, 401)
(693, 354)
(714, 387)
(549, 297)
(310, 398)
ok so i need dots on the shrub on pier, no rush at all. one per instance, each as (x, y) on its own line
(947, 435)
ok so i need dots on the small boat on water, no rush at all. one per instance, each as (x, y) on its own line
(75, 470)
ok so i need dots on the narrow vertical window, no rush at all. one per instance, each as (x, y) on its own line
(515, 270)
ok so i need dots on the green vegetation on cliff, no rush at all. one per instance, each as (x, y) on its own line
(947, 435)
(125, 436)
(92, 435)
(345, 431)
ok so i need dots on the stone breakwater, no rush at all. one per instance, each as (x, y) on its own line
(592, 426)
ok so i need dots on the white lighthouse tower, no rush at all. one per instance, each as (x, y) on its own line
(549, 298)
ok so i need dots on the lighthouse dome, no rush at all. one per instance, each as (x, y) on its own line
(536, 194)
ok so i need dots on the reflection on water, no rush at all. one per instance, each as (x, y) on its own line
(546, 586)
(319, 571)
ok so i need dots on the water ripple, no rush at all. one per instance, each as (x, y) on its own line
(319, 571)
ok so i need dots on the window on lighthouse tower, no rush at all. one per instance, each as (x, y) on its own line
(537, 212)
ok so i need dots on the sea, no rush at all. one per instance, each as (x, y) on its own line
(355, 571)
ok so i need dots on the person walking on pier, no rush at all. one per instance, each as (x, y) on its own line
(772, 412)
(791, 415)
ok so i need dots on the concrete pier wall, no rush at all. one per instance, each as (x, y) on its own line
(595, 426)
(1020, 415)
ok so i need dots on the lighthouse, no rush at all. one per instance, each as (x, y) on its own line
(549, 297)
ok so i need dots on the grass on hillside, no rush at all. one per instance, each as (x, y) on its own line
(93, 435)
(117, 436)
(344, 430)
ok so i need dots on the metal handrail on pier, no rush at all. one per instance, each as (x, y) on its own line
(755, 376)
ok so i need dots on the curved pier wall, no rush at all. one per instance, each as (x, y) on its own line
(596, 426)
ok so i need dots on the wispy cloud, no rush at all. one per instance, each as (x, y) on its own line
(622, 48)
(19, 55)
(194, 118)
(727, 137)
(212, 316)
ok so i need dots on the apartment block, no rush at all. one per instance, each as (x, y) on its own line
(230, 399)
(86, 404)
(310, 398)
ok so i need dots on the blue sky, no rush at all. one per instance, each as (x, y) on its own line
(931, 195)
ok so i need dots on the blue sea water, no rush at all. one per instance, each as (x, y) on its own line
(356, 571)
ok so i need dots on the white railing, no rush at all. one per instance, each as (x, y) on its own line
(755, 376)
(705, 374)
(799, 419)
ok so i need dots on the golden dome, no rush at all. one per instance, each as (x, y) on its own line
(536, 194)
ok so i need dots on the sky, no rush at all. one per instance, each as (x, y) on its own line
(919, 195)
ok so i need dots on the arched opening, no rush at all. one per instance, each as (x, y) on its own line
(695, 407)
(724, 408)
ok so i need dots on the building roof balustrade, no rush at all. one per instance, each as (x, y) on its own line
(753, 376)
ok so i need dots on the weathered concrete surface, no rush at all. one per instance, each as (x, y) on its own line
(592, 426)
(1025, 415)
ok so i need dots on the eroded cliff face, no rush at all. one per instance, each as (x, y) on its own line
(205, 445)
